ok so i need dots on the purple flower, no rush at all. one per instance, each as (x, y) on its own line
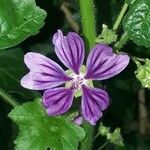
(47, 75)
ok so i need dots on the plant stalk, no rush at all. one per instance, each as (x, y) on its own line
(100, 148)
(89, 33)
(88, 22)
(119, 18)
(122, 41)
(7, 98)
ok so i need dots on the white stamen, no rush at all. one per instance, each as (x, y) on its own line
(78, 81)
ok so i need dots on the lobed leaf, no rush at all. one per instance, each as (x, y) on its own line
(39, 131)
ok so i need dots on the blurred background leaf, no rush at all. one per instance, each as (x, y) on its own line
(123, 111)
(12, 69)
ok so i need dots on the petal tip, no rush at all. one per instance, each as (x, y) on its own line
(57, 36)
(22, 83)
(25, 82)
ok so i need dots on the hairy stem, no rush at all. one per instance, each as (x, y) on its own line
(89, 33)
(7, 98)
(124, 38)
(119, 18)
(88, 22)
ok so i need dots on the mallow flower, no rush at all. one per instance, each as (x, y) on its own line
(45, 74)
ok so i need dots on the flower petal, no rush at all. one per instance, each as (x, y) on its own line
(102, 63)
(44, 73)
(78, 120)
(58, 100)
(69, 49)
(94, 100)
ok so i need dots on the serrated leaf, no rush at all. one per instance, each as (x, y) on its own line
(12, 69)
(18, 21)
(143, 73)
(114, 137)
(137, 22)
(39, 131)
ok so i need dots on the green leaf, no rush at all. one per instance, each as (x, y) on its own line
(143, 73)
(12, 69)
(18, 21)
(114, 137)
(137, 22)
(39, 131)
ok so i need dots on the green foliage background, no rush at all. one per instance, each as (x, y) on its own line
(123, 89)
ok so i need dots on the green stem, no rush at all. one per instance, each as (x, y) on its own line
(100, 148)
(88, 22)
(119, 18)
(7, 98)
(122, 41)
(96, 136)
(89, 33)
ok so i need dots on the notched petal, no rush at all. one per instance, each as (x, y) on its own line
(44, 73)
(102, 63)
(94, 101)
(57, 100)
(69, 49)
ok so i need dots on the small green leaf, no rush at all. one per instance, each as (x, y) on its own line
(137, 22)
(114, 137)
(107, 36)
(143, 73)
(39, 131)
(103, 130)
(18, 21)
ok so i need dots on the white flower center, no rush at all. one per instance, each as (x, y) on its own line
(78, 81)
